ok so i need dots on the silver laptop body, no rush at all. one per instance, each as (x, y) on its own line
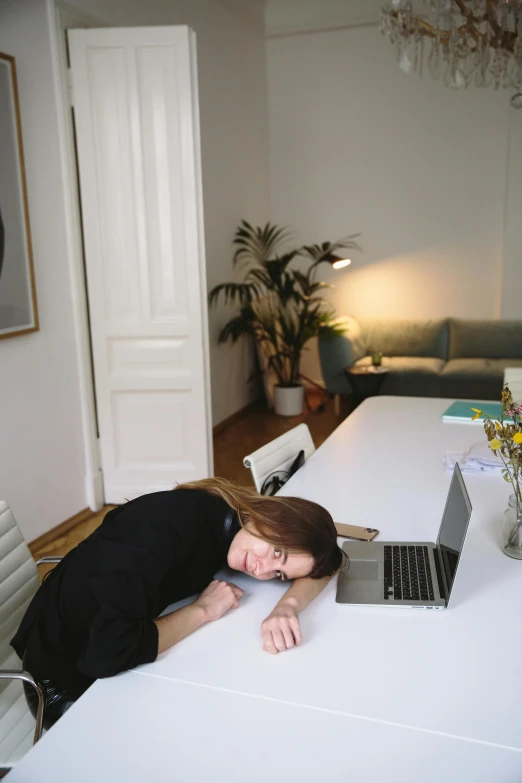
(413, 574)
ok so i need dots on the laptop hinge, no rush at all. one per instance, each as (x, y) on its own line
(440, 579)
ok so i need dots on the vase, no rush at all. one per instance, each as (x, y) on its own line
(512, 528)
(288, 400)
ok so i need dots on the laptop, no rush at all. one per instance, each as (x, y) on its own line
(413, 574)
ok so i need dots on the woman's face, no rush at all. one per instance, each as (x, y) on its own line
(262, 560)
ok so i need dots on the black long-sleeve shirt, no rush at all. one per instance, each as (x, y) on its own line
(93, 615)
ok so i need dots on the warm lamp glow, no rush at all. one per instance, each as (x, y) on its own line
(342, 263)
(336, 261)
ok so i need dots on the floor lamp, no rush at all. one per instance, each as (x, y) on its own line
(337, 262)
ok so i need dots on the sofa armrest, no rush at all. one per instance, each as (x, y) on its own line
(335, 355)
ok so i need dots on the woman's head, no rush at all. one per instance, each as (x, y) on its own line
(262, 560)
(280, 537)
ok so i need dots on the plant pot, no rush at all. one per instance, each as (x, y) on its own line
(289, 400)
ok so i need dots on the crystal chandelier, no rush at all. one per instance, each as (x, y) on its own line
(468, 41)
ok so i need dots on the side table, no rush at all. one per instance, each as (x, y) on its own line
(365, 381)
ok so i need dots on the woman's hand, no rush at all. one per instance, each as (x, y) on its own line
(214, 601)
(218, 598)
(281, 630)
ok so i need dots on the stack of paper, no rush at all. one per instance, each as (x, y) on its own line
(477, 459)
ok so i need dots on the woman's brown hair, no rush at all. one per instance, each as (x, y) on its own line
(292, 524)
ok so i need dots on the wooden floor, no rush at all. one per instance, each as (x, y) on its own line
(254, 429)
(260, 426)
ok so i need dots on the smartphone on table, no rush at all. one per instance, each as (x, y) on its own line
(356, 532)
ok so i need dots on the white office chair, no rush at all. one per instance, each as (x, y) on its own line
(513, 378)
(280, 454)
(18, 583)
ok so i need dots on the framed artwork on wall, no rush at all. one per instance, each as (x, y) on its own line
(18, 309)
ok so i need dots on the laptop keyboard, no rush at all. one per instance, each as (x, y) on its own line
(407, 573)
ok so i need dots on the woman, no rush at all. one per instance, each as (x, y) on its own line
(97, 613)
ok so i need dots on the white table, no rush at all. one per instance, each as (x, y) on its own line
(403, 678)
(162, 730)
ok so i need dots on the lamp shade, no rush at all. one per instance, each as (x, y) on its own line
(337, 261)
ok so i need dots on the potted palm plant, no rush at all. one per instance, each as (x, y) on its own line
(279, 306)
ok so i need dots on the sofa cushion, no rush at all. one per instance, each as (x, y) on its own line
(412, 376)
(405, 337)
(480, 379)
(485, 339)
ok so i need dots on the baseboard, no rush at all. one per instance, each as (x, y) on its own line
(60, 530)
(312, 384)
(94, 491)
(235, 417)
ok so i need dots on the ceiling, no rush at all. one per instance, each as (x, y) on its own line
(283, 17)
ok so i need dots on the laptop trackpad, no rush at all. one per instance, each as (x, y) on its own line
(363, 569)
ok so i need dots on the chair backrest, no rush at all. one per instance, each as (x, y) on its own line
(279, 454)
(513, 378)
(18, 583)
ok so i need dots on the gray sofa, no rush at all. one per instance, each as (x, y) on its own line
(450, 357)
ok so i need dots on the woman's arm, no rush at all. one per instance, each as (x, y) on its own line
(174, 627)
(281, 629)
(212, 604)
(303, 591)
(121, 637)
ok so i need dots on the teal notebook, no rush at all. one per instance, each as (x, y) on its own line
(460, 411)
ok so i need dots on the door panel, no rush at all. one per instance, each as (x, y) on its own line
(138, 155)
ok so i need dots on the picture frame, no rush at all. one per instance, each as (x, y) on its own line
(18, 305)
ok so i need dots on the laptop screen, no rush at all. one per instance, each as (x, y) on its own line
(453, 529)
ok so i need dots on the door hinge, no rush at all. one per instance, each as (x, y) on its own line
(70, 86)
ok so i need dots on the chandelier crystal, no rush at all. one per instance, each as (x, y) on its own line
(466, 41)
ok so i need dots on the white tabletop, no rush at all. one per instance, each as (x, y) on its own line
(157, 730)
(455, 671)
(440, 691)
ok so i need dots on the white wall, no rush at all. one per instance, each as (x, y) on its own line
(291, 16)
(41, 453)
(418, 169)
(509, 295)
(42, 466)
(234, 145)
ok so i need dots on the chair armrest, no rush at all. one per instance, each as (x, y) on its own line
(48, 560)
(20, 674)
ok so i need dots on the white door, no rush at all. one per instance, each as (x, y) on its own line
(136, 116)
